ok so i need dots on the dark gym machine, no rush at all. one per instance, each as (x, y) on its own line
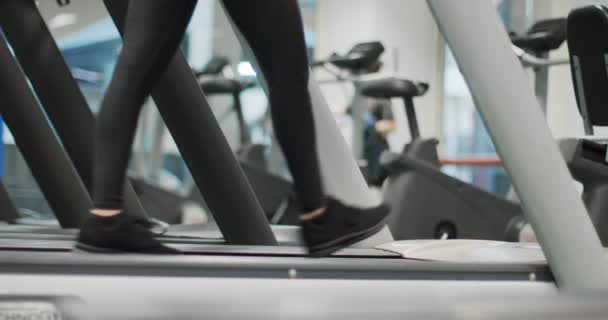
(588, 158)
(430, 204)
(427, 203)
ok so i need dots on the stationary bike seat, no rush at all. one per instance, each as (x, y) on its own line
(223, 85)
(393, 88)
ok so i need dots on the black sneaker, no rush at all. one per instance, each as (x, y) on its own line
(119, 233)
(157, 227)
(340, 226)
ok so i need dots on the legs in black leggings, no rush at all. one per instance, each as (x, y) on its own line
(153, 32)
(275, 33)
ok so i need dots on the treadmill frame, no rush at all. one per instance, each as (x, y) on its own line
(555, 210)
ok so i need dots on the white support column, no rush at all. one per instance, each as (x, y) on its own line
(530, 154)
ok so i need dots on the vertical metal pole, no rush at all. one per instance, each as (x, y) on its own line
(8, 210)
(240, 116)
(201, 142)
(56, 89)
(156, 152)
(412, 120)
(357, 113)
(582, 99)
(50, 165)
(530, 154)
(541, 83)
(341, 175)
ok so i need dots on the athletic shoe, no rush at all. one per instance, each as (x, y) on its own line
(120, 234)
(340, 226)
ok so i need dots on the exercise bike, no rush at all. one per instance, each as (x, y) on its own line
(429, 204)
(360, 64)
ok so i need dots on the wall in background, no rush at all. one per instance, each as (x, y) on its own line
(413, 49)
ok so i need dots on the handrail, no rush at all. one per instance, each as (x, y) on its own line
(471, 161)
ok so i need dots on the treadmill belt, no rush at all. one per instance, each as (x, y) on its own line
(261, 266)
(208, 248)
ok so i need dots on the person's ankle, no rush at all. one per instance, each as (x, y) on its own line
(105, 213)
(312, 214)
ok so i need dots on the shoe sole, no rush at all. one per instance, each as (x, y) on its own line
(327, 248)
(320, 250)
(94, 249)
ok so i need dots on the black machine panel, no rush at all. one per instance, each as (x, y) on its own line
(588, 45)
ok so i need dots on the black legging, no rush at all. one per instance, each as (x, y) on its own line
(153, 32)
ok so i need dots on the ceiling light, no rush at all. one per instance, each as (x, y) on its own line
(62, 20)
(246, 70)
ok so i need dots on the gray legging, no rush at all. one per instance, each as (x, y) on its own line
(153, 32)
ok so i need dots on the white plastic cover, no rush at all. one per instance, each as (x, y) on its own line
(467, 251)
